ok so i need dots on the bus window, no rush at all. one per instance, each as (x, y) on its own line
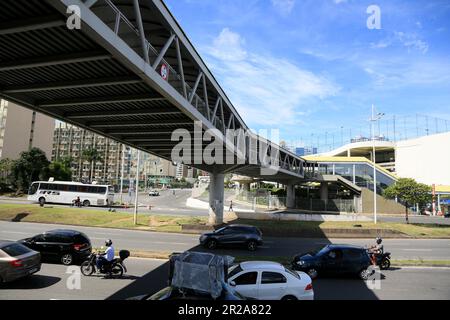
(33, 189)
(101, 190)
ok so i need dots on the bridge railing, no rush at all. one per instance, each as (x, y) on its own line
(152, 54)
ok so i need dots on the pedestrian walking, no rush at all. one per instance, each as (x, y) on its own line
(231, 206)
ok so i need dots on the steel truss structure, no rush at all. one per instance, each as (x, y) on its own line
(129, 73)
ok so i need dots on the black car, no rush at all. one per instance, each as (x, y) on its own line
(334, 260)
(232, 235)
(66, 246)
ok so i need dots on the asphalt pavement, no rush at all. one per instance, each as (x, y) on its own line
(401, 249)
(147, 276)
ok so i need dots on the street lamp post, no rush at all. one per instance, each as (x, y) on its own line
(373, 119)
(136, 188)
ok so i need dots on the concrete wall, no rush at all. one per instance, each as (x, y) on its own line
(425, 159)
(385, 206)
(17, 132)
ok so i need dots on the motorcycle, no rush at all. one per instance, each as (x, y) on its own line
(114, 268)
(383, 260)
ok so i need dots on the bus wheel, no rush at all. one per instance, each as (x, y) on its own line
(41, 201)
(86, 203)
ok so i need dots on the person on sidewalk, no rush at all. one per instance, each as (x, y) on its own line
(231, 206)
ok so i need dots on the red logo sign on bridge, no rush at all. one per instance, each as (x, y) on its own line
(164, 71)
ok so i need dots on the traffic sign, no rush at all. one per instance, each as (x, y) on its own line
(164, 71)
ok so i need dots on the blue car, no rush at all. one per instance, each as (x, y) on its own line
(334, 260)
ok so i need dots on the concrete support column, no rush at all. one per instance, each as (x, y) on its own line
(290, 196)
(324, 192)
(246, 186)
(216, 195)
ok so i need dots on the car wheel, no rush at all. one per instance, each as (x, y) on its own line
(41, 201)
(287, 298)
(252, 245)
(87, 268)
(365, 274)
(211, 244)
(66, 259)
(86, 203)
(385, 264)
(312, 273)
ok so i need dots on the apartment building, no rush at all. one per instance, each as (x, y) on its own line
(22, 129)
(69, 142)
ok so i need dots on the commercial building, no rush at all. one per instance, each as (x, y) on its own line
(22, 129)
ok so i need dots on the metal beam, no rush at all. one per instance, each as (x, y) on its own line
(205, 96)
(163, 51)
(77, 84)
(194, 90)
(180, 67)
(112, 113)
(147, 123)
(30, 24)
(53, 60)
(153, 132)
(98, 100)
(137, 12)
(215, 109)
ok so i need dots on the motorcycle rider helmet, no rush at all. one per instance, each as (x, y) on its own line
(108, 243)
(379, 240)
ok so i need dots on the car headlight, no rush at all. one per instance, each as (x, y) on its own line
(300, 262)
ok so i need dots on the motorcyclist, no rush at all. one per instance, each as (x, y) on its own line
(377, 249)
(106, 257)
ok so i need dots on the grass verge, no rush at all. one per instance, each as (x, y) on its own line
(170, 223)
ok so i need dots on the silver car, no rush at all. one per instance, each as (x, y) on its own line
(17, 261)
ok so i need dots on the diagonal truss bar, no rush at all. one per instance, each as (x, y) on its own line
(163, 51)
(180, 67)
(194, 90)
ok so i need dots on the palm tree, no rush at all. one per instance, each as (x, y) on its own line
(92, 156)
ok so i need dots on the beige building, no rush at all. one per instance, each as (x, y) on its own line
(69, 142)
(22, 129)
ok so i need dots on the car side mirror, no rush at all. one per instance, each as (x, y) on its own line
(233, 284)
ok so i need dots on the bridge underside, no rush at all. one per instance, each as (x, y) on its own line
(77, 76)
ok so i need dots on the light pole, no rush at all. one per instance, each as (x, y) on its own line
(373, 119)
(121, 173)
(136, 188)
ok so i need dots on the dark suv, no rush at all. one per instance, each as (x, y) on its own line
(66, 246)
(233, 235)
(334, 260)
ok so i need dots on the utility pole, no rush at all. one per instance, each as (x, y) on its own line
(372, 120)
(136, 188)
(121, 173)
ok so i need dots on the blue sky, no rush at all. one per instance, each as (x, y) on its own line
(310, 67)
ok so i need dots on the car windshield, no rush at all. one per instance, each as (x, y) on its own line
(220, 230)
(15, 249)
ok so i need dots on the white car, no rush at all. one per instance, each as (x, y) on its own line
(264, 280)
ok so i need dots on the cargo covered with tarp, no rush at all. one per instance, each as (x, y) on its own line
(203, 272)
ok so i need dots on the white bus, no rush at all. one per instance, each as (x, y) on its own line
(66, 192)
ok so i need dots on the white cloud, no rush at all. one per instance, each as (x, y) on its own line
(266, 90)
(340, 1)
(285, 7)
(407, 40)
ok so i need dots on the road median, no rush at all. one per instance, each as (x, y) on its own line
(195, 225)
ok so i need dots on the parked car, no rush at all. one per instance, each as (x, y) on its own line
(66, 246)
(153, 193)
(265, 280)
(233, 235)
(334, 260)
(172, 293)
(17, 261)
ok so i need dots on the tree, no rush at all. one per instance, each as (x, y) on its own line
(59, 171)
(31, 166)
(409, 192)
(6, 166)
(92, 156)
